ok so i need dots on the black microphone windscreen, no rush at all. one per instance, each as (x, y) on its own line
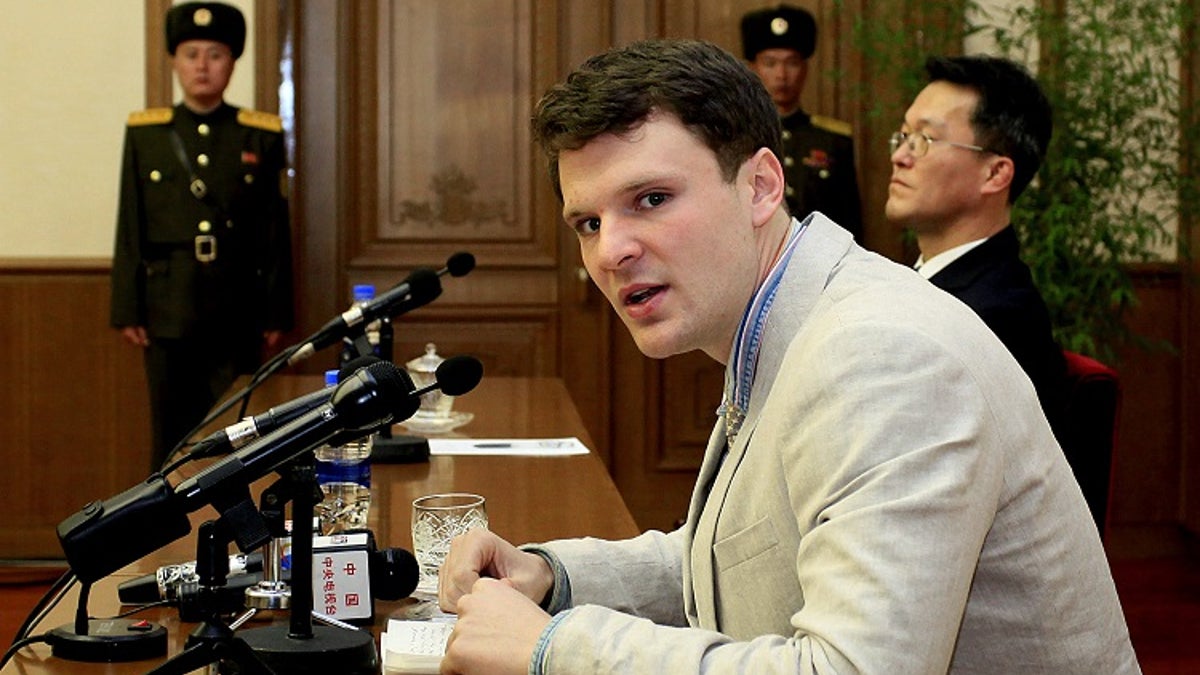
(458, 375)
(369, 397)
(424, 285)
(393, 574)
(354, 364)
(393, 390)
(391, 380)
(460, 264)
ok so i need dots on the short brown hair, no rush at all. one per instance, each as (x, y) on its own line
(711, 91)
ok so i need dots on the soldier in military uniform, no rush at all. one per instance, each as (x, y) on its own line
(201, 274)
(818, 152)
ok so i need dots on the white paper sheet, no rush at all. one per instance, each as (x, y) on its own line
(526, 447)
(414, 647)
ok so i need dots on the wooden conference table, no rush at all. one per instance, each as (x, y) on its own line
(528, 499)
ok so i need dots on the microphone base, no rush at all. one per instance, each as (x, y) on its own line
(110, 641)
(329, 650)
(269, 595)
(399, 449)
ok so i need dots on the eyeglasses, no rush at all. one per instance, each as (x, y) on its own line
(918, 143)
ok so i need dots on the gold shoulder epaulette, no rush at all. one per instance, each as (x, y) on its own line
(830, 124)
(151, 116)
(260, 120)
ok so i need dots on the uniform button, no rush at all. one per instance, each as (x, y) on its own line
(791, 191)
(202, 130)
(787, 135)
(789, 162)
(249, 178)
(155, 176)
(824, 173)
(204, 226)
(229, 224)
(202, 159)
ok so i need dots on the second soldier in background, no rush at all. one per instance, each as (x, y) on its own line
(818, 152)
(201, 274)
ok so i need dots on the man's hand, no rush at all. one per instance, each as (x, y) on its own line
(480, 553)
(496, 632)
(136, 336)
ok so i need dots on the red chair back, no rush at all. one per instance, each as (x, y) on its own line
(1089, 429)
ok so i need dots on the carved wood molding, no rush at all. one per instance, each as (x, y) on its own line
(439, 95)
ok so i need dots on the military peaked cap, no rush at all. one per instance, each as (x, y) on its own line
(214, 21)
(783, 26)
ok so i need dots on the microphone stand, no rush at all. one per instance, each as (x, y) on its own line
(106, 640)
(297, 648)
(386, 447)
(213, 641)
(272, 593)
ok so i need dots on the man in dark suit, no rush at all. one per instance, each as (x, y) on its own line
(971, 142)
(201, 274)
(818, 152)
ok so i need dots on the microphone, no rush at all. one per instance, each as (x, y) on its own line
(370, 397)
(393, 301)
(458, 265)
(455, 376)
(104, 536)
(167, 582)
(349, 573)
(241, 433)
(393, 575)
(421, 287)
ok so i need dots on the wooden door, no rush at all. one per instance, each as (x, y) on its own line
(412, 144)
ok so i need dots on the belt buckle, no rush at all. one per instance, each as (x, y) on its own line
(206, 248)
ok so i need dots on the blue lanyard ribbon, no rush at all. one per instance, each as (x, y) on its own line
(743, 362)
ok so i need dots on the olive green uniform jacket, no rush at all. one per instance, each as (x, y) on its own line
(160, 279)
(818, 163)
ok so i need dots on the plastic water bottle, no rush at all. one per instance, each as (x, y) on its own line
(353, 345)
(344, 474)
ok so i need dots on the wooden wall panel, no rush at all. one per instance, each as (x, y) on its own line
(655, 490)
(440, 96)
(692, 386)
(454, 100)
(76, 426)
(569, 32)
(508, 344)
(1189, 307)
(1149, 461)
(413, 143)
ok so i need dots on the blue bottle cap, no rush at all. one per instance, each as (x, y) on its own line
(331, 378)
(364, 292)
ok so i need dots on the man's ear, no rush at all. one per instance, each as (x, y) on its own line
(999, 175)
(766, 183)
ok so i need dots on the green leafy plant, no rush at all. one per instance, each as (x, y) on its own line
(1114, 188)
